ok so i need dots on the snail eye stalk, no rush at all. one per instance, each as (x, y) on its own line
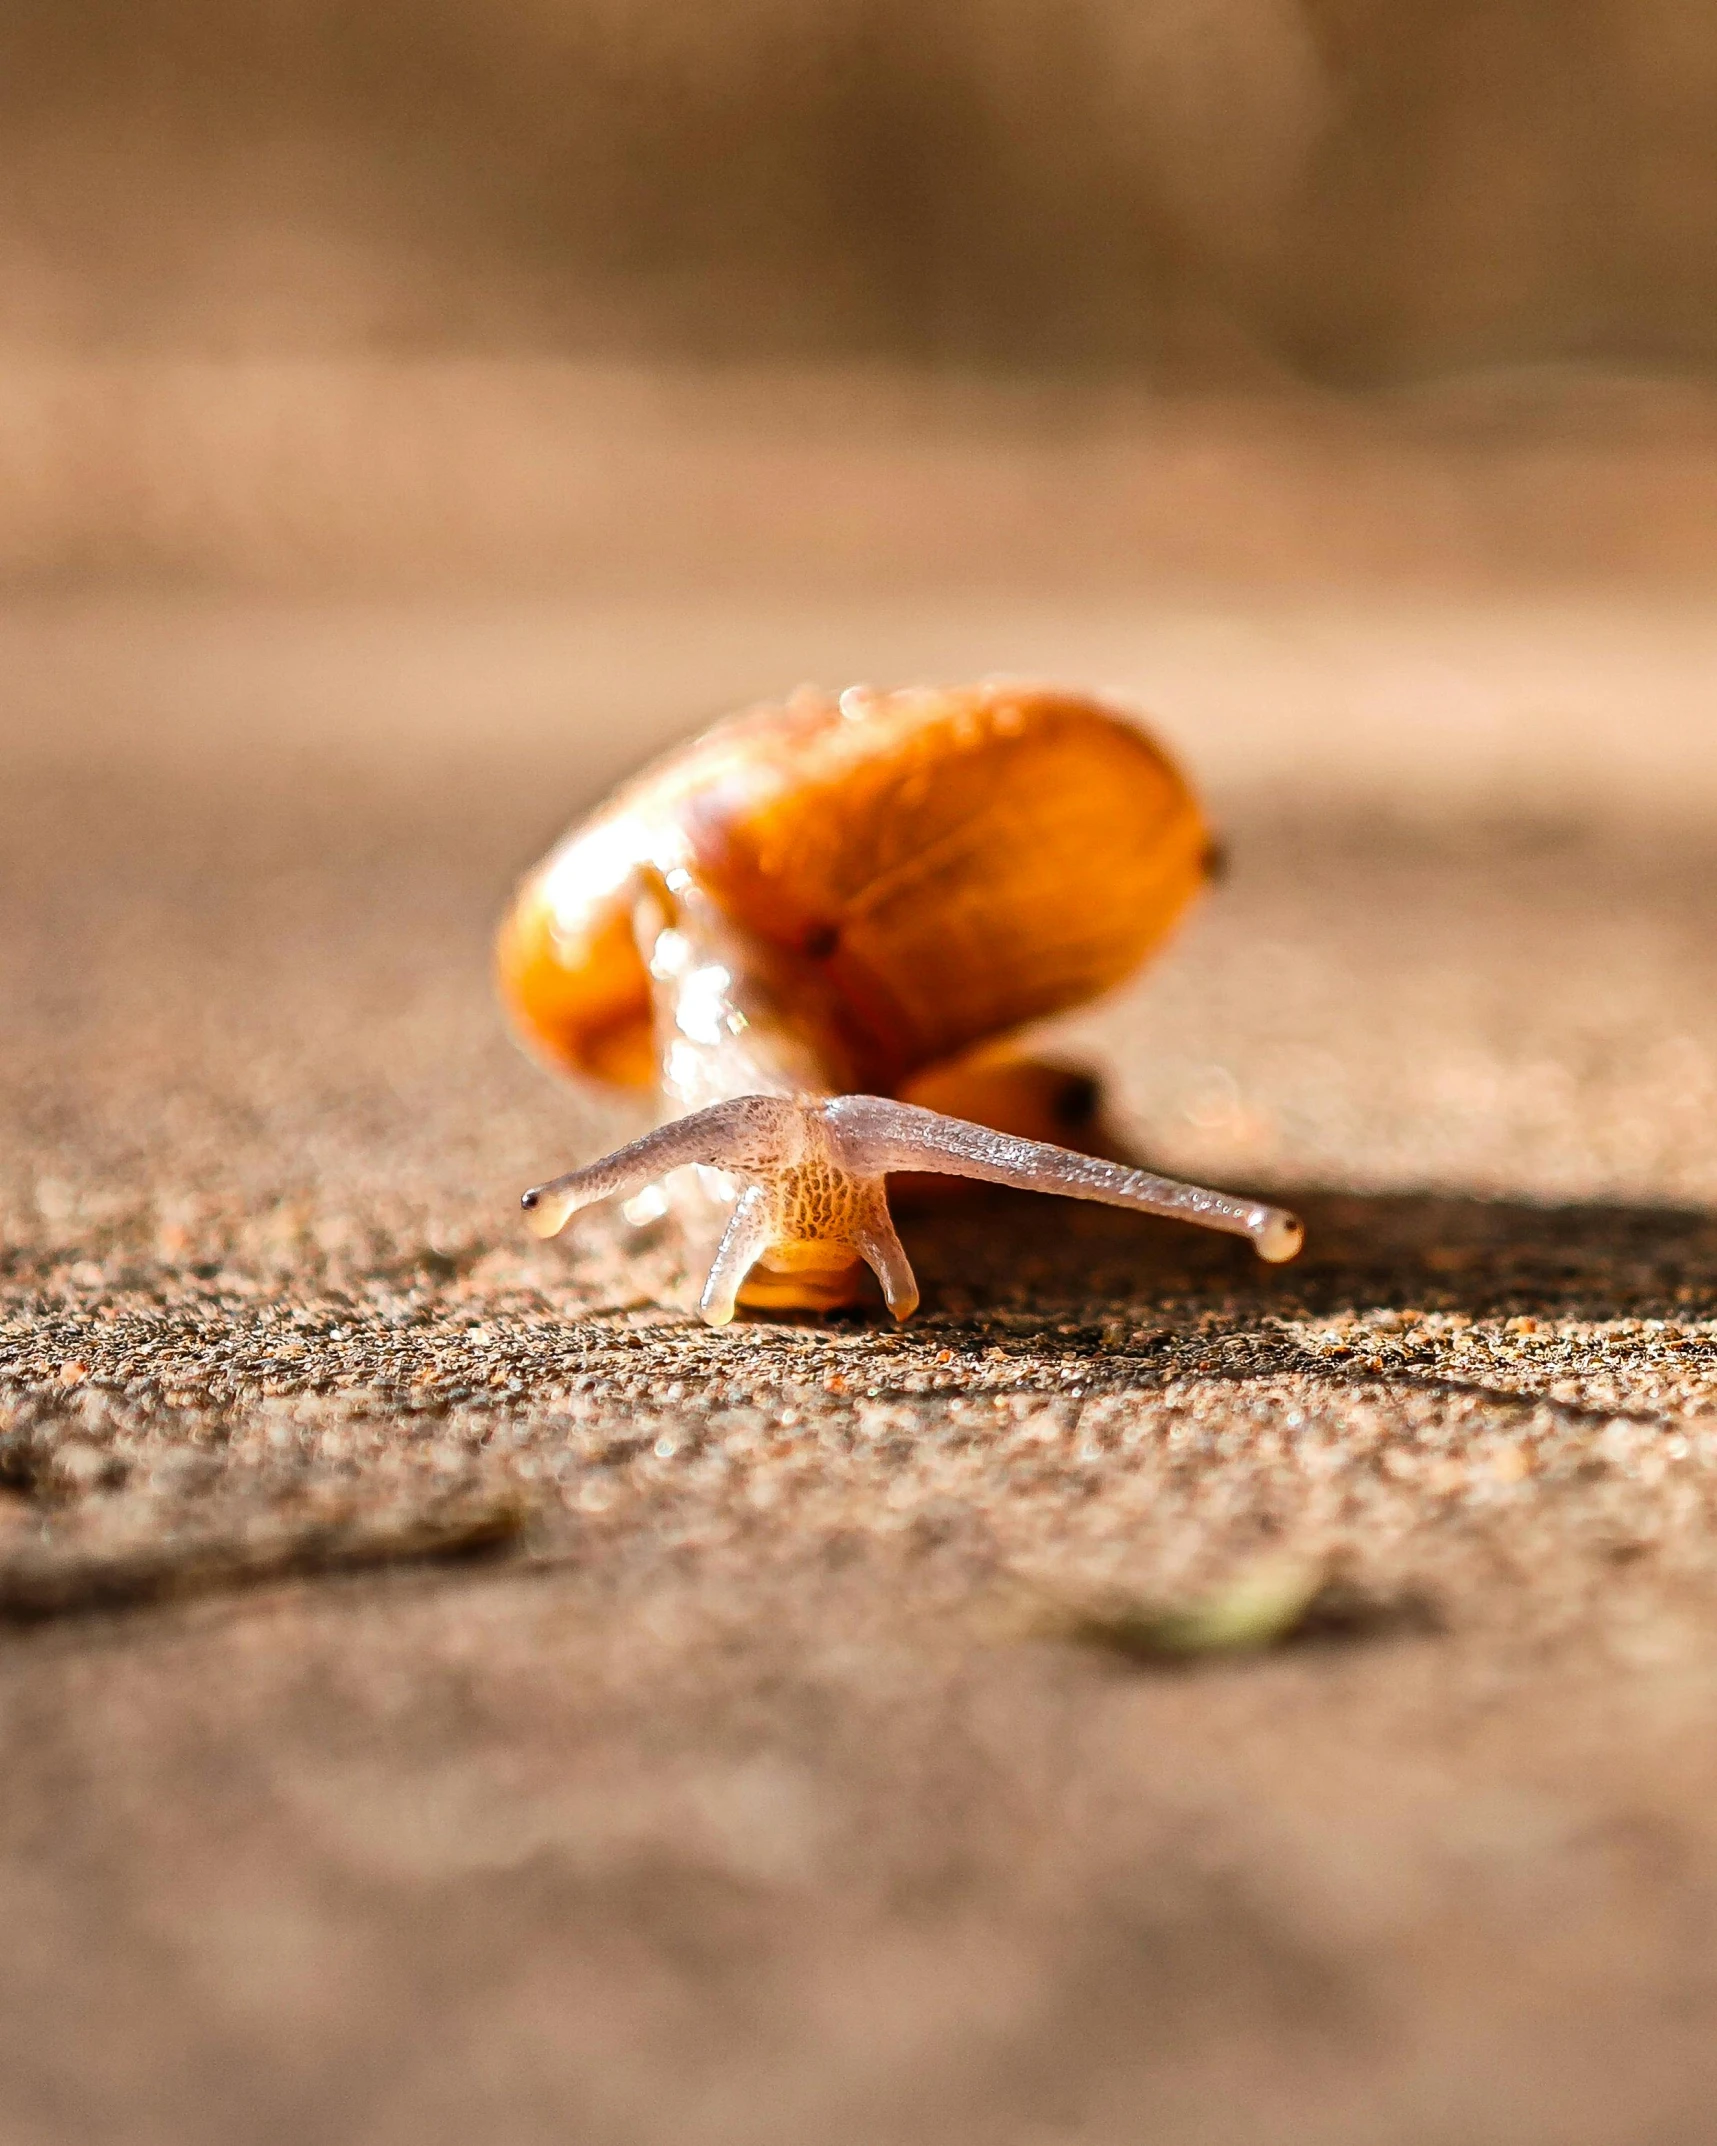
(816, 1173)
(885, 1135)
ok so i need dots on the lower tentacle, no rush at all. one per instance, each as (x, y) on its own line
(743, 1244)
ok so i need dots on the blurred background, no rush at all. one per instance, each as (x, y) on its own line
(1197, 190)
(825, 289)
(411, 417)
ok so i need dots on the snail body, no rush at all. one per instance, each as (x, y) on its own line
(817, 918)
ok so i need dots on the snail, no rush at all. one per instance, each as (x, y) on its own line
(808, 931)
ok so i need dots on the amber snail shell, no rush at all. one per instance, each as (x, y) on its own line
(857, 894)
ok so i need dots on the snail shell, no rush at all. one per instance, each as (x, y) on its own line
(950, 863)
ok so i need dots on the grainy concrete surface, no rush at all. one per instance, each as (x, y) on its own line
(446, 1696)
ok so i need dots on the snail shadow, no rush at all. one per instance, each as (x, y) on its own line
(1008, 1253)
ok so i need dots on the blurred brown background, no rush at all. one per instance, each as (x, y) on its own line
(1337, 190)
(301, 290)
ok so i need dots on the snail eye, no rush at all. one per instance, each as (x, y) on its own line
(821, 941)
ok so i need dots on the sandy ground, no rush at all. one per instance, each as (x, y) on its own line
(445, 1695)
